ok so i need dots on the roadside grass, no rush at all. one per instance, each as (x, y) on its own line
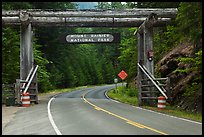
(121, 94)
(171, 110)
(61, 90)
(130, 96)
(55, 91)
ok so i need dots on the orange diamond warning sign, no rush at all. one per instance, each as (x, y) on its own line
(122, 74)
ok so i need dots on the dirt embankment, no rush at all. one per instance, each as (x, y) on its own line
(180, 81)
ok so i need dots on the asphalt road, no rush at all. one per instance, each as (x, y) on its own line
(90, 112)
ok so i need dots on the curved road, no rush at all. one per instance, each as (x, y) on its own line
(90, 112)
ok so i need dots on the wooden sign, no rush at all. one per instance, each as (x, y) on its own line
(84, 38)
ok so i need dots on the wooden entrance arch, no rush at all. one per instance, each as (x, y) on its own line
(143, 18)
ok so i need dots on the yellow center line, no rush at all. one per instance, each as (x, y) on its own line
(127, 120)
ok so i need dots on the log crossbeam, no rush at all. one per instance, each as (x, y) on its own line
(151, 20)
(92, 21)
(140, 12)
(86, 18)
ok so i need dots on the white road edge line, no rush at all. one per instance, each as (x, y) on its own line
(111, 98)
(169, 115)
(157, 112)
(51, 119)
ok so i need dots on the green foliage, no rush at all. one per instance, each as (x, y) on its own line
(128, 57)
(192, 89)
(53, 5)
(131, 92)
(196, 63)
(117, 5)
(16, 5)
(103, 5)
(11, 48)
(187, 25)
(10, 55)
(165, 39)
(124, 94)
(157, 4)
(110, 5)
(43, 76)
(189, 20)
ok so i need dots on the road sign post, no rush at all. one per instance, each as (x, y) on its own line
(116, 81)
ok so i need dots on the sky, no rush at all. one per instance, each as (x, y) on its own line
(87, 5)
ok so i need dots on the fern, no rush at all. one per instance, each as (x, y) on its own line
(196, 63)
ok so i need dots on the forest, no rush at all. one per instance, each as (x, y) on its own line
(63, 65)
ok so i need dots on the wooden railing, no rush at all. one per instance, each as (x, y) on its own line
(22, 86)
(154, 81)
(30, 80)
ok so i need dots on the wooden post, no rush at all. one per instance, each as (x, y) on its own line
(17, 91)
(148, 46)
(34, 90)
(168, 87)
(140, 60)
(146, 28)
(26, 51)
(145, 34)
(149, 63)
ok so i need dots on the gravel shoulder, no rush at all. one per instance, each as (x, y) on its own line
(8, 112)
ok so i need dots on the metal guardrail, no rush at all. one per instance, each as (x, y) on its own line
(152, 79)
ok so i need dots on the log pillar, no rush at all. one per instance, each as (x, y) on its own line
(148, 47)
(26, 55)
(149, 62)
(26, 51)
(145, 50)
(140, 60)
(26, 48)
